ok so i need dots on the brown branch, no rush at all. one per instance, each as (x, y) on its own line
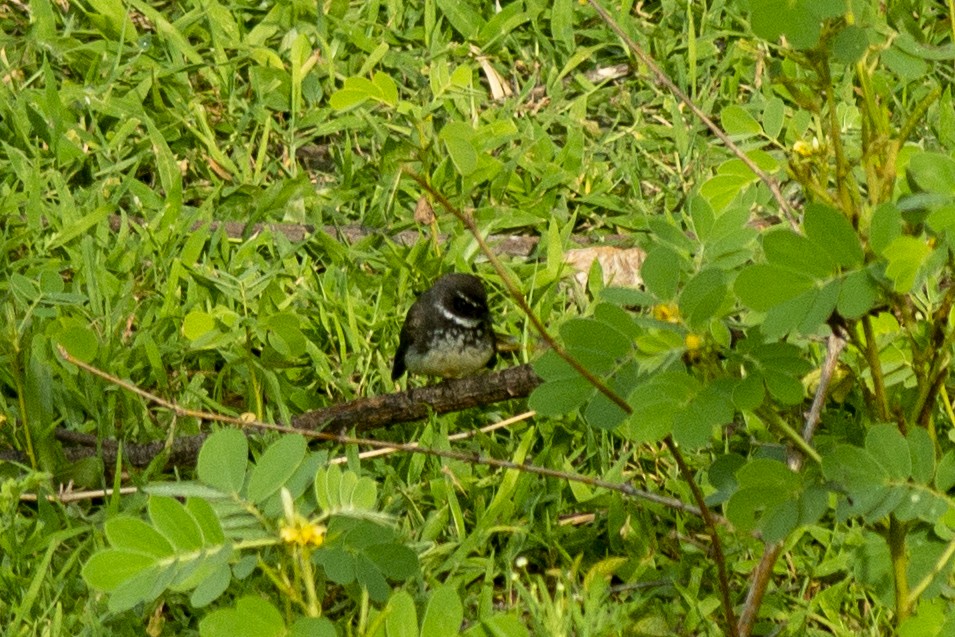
(359, 415)
(415, 404)
(764, 570)
(473, 458)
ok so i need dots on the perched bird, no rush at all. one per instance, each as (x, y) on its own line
(448, 331)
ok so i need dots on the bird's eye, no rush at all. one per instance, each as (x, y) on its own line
(465, 306)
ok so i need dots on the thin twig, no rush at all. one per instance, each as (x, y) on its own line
(463, 435)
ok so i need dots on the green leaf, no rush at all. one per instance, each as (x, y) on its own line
(401, 618)
(396, 561)
(857, 295)
(223, 460)
(945, 474)
(110, 568)
(443, 614)
(346, 98)
(251, 617)
(764, 286)
(387, 89)
(661, 272)
(784, 388)
(338, 565)
(206, 518)
(849, 44)
(821, 307)
(769, 473)
(829, 229)
(922, 454)
(274, 467)
(747, 507)
(603, 413)
(370, 578)
(550, 366)
(313, 627)
(860, 476)
(693, 427)
(328, 482)
(596, 336)
(932, 172)
(702, 297)
(800, 22)
(905, 255)
(133, 534)
(212, 586)
(738, 122)
(749, 393)
(656, 403)
(559, 397)
(79, 341)
(173, 520)
(773, 117)
(889, 448)
(787, 249)
(720, 190)
(458, 138)
(285, 334)
(355, 91)
(562, 25)
(462, 17)
(886, 226)
(197, 324)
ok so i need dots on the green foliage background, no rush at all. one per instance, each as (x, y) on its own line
(128, 128)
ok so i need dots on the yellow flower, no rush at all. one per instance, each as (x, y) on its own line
(667, 312)
(693, 342)
(303, 533)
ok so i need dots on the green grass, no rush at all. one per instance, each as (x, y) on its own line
(128, 130)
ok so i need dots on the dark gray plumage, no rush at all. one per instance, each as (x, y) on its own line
(447, 332)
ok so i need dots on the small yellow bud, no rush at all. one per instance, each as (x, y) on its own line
(693, 342)
(802, 148)
(666, 312)
(303, 533)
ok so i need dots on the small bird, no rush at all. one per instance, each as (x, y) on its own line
(447, 332)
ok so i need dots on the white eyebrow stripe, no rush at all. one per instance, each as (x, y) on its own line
(460, 320)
